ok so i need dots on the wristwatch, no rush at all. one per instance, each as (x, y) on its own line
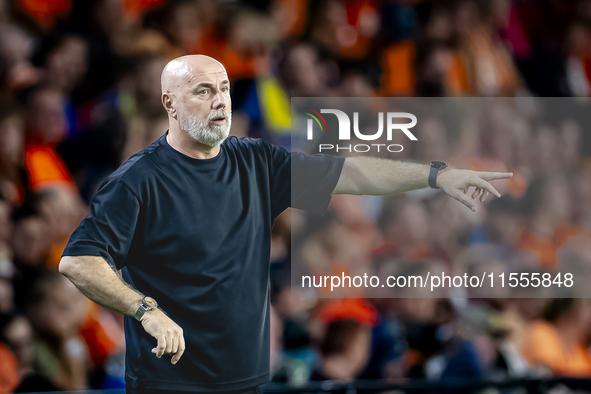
(436, 166)
(148, 304)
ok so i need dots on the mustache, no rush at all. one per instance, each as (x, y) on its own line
(217, 114)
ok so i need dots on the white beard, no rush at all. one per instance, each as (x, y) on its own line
(201, 131)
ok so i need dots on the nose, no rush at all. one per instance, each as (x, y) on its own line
(219, 102)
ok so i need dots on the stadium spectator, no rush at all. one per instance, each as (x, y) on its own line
(548, 226)
(345, 346)
(56, 310)
(13, 180)
(45, 128)
(8, 370)
(17, 334)
(564, 333)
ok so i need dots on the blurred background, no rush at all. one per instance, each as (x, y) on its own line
(80, 93)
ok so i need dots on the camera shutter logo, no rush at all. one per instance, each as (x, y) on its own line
(345, 127)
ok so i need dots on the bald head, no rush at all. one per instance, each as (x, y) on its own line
(196, 95)
(185, 69)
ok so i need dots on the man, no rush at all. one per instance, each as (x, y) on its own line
(190, 219)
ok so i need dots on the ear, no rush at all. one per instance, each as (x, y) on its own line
(168, 105)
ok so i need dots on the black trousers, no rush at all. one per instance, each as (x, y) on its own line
(252, 390)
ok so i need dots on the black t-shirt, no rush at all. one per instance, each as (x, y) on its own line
(195, 235)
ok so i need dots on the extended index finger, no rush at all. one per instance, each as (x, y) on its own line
(491, 176)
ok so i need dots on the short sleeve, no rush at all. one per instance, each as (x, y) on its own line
(303, 181)
(109, 228)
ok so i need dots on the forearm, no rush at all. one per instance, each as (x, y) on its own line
(95, 278)
(376, 176)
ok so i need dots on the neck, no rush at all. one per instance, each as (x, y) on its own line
(182, 142)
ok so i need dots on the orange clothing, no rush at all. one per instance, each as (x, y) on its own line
(546, 248)
(457, 78)
(55, 255)
(490, 70)
(399, 72)
(101, 333)
(44, 12)
(398, 62)
(45, 167)
(292, 16)
(361, 15)
(349, 308)
(9, 379)
(237, 66)
(133, 9)
(543, 346)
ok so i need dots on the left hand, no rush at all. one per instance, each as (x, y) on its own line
(455, 183)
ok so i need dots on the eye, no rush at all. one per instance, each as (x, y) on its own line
(225, 88)
(203, 91)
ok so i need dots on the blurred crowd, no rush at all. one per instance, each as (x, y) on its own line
(80, 93)
(541, 224)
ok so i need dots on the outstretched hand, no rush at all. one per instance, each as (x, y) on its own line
(455, 183)
(167, 333)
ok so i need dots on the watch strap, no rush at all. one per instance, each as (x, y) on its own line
(436, 166)
(143, 308)
(139, 313)
(433, 177)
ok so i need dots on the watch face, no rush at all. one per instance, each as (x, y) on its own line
(438, 165)
(150, 302)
